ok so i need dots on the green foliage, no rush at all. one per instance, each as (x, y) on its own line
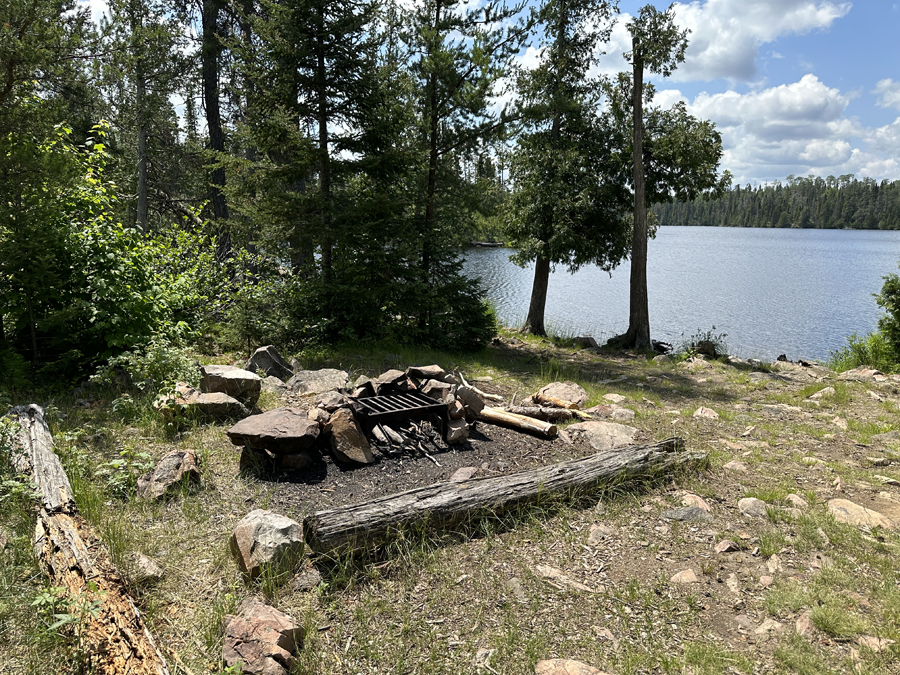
(870, 351)
(706, 343)
(121, 474)
(889, 324)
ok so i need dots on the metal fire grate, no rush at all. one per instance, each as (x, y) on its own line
(375, 410)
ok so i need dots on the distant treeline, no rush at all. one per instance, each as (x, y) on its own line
(800, 202)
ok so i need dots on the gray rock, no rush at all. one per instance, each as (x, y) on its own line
(189, 402)
(433, 372)
(176, 469)
(564, 667)
(471, 402)
(438, 390)
(346, 439)
(235, 382)
(566, 391)
(662, 358)
(145, 570)
(274, 385)
(602, 436)
(457, 432)
(331, 400)
(282, 431)
(887, 437)
(306, 580)
(463, 474)
(261, 640)
(688, 514)
(390, 381)
(317, 381)
(514, 587)
(266, 538)
(319, 415)
(752, 507)
(845, 511)
(269, 361)
(456, 410)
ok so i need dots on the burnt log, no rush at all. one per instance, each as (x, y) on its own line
(547, 414)
(376, 522)
(112, 635)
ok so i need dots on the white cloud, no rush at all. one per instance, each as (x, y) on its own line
(726, 34)
(888, 93)
(799, 128)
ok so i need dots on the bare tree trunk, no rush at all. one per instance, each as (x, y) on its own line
(143, 207)
(325, 158)
(638, 335)
(209, 71)
(534, 324)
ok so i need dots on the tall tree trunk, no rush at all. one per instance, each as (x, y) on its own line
(209, 71)
(143, 207)
(638, 335)
(325, 159)
(34, 350)
(534, 324)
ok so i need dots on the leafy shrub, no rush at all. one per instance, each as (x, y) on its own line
(889, 324)
(870, 351)
(121, 474)
(703, 343)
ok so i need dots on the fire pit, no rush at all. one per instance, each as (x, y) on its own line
(374, 410)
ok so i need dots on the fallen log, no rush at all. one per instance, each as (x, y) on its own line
(521, 422)
(553, 401)
(542, 413)
(482, 394)
(110, 629)
(373, 523)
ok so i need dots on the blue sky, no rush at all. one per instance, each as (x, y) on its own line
(795, 86)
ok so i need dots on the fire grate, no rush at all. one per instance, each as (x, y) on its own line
(374, 410)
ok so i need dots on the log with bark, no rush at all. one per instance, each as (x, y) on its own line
(553, 401)
(548, 414)
(109, 627)
(520, 422)
(373, 523)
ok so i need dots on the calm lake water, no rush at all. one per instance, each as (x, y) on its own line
(794, 292)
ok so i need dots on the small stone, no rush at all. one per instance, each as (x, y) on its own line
(565, 667)
(766, 581)
(176, 469)
(685, 577)
(744, 622)
(687, 513)
(440, 391)
(768, 626)
(463, 474)
(306, 580)
(457, 410)
(752, 507)
(879, 461)
(811, 461)
(690, 499)
(318, 415)
(727, 546)
(515, 588)
(845, 511)
(598, 533)
(555, 575)
(737, 466)
(565, 391)
(471, 402)
(346, 439)
(263, 537)
(331, 400)
(796, 501)
(827, 392)
(887, 480)
(840, 423)
(874, 643)
(733, 584)
(707, 413)
(614, 398)
(773, 564)
(146, 570)
(804, 625)
(261, 639)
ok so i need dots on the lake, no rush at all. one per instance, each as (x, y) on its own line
(793, 292)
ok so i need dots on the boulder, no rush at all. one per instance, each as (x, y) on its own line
(346, 439)
(282, 431)
(845, 511)
(565, 391)
(176, 469)
(456, 410)
(331, 401)
(192, 403)
(603, 436)
(457, 431)
(319, 415)
(269, 361)
(433, 372)
(235, 382)
(752, 507)
(274, 385)
(266, 538)
(471, 402)
(261, 639)
(318, 381)
(390, 382)
(438, 390)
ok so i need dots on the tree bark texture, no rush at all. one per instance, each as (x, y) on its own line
(373, 523)
(534, 323)
(110, 629)
(143, 187)
(209, 72)
(638, 335)
(325, 157)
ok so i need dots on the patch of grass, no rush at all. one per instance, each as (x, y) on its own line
(834, 619)
(706, 658)
(796, 655)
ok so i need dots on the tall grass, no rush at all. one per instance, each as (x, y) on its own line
(870, 351)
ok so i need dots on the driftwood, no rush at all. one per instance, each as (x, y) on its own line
(375, 522)
(482, 394)
(520, 422)
(110, 629)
